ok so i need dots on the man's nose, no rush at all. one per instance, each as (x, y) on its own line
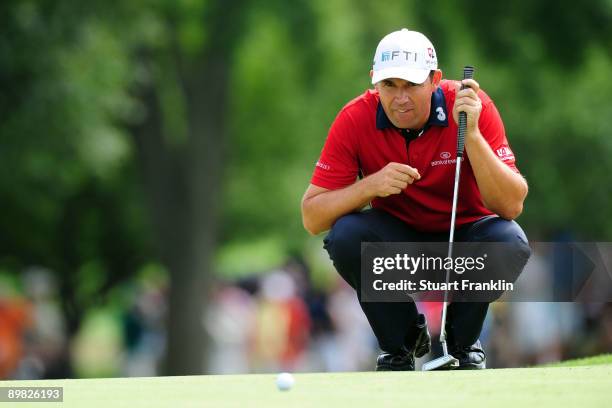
(403, 94)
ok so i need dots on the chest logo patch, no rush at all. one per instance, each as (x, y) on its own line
(445, 159)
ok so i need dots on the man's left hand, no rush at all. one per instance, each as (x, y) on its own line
(467, 101)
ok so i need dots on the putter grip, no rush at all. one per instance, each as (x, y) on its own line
(468, 73)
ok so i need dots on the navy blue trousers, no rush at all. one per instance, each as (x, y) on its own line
(393, 323)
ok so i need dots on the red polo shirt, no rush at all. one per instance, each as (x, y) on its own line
(363, 139)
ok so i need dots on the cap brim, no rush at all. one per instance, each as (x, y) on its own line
(417, 76)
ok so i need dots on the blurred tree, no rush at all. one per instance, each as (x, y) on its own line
(181, 148)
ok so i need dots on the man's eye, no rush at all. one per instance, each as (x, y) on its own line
(388, 83)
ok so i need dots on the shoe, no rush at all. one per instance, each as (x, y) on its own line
(422, 345)
(470, 357)
(403, 360)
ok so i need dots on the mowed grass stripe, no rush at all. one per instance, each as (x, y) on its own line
(584, 386)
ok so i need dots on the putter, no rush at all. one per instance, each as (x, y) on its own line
(447, 361)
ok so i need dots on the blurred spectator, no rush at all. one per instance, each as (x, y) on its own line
(46, 343)
(282, 324)
(354, 343)
(15, 319)
(230, 321)
(144, 331)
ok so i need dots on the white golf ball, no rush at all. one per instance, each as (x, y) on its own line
(284, 381)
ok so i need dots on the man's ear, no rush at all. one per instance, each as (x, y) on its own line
(371, 75)
(437, 77)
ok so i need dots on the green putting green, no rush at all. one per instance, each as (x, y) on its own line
(584, 383)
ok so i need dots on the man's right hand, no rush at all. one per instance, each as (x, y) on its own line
(322, 207)
(391, 179)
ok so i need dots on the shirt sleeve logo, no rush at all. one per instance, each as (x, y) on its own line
(505, 154)
(323, 166)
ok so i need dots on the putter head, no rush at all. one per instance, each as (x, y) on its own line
(446, 362)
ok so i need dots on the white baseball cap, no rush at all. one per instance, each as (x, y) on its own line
(406, 55)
